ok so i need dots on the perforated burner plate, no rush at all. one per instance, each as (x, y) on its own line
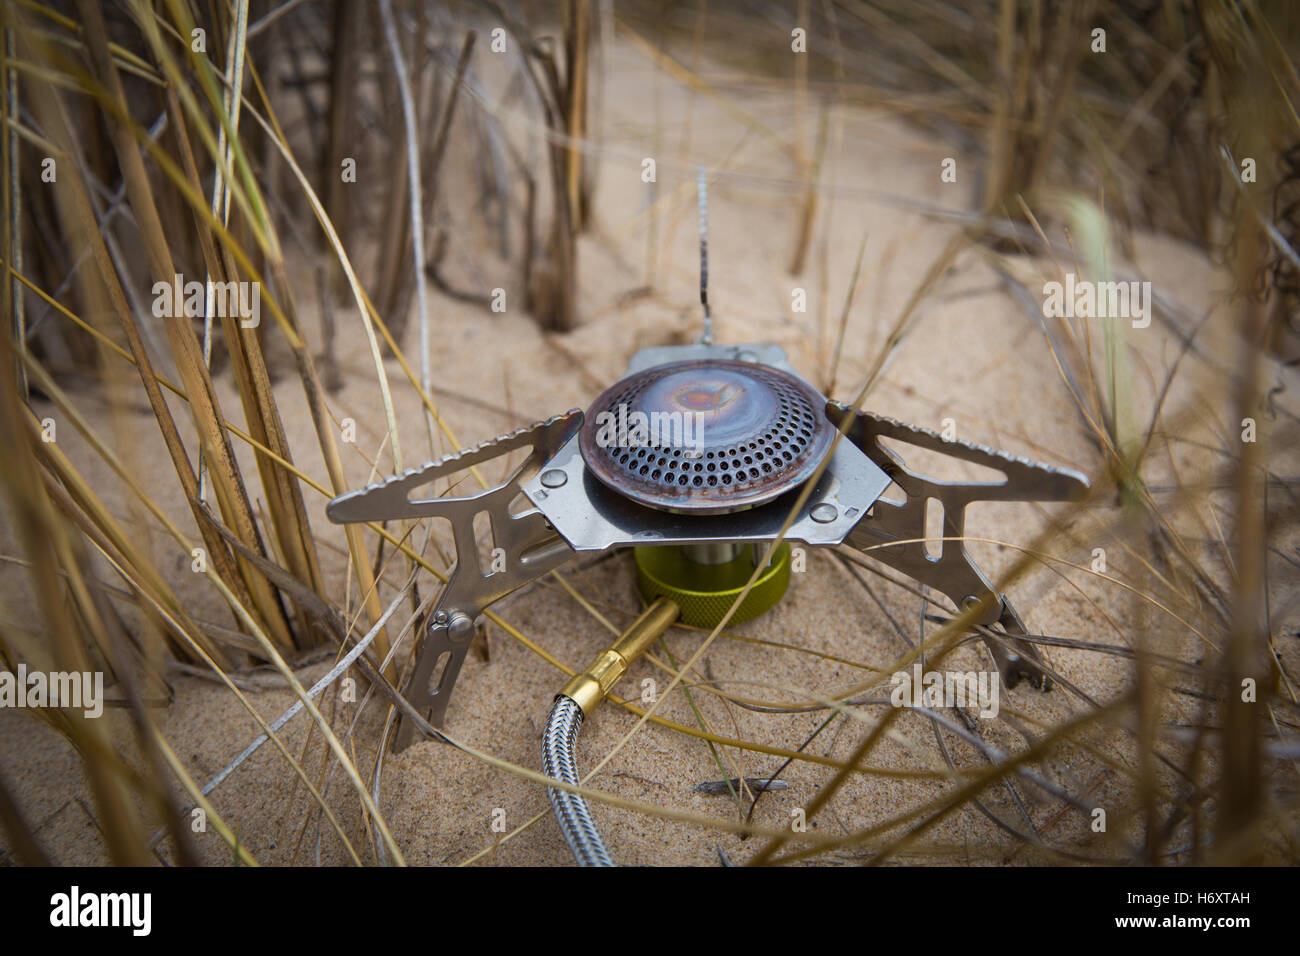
(707, 436)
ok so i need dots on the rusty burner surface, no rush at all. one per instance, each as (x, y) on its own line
(705, 437)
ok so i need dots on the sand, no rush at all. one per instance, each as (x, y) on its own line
(974, 355)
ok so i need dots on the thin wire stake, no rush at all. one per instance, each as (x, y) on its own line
(703, 191)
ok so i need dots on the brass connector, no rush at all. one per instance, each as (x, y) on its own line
(588, 688)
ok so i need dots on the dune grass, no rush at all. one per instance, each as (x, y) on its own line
(1080, 154)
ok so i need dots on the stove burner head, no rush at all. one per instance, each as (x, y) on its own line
(706, 436)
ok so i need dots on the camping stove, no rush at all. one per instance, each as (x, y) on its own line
(698, 458)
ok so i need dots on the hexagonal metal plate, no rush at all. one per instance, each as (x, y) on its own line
(592, 517)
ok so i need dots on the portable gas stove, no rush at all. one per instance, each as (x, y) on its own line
(700, 511)
(699, 458)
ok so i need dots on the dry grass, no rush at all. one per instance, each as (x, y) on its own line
(172, 160)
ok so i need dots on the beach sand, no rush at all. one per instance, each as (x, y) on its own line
(973, 354)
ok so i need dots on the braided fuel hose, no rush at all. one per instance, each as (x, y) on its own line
(580, 696)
